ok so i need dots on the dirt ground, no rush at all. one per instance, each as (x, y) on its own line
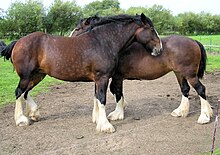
(148, 128)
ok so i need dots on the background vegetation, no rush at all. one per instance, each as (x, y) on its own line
(61, 17)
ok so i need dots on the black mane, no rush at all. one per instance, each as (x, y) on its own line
(95, 21)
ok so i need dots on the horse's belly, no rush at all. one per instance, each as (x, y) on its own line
(146, 72)
(72, 77)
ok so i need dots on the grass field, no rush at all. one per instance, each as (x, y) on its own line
(209, 40)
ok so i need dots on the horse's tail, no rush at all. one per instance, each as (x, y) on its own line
(202, 65)
(7, 51)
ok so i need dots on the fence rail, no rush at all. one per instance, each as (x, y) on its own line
(212, 48)
(216, 46)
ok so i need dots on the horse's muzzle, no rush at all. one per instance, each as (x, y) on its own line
(156, 51)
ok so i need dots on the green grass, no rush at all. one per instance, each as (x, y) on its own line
(209, 40)
(213, 63)
(216, 152)
(9, 81)
(7, 41)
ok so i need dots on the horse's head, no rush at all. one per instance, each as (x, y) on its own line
(148, 36)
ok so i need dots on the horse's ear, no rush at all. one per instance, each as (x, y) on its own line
(87, 22)
(143, 18)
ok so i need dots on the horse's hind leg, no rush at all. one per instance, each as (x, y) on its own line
(22, 93)
(206, 110)
(183, 109)
(20, 118)
(116, 89)
(32, 109)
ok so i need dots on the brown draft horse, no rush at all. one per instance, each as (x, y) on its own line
(93, 56)
(182, 55)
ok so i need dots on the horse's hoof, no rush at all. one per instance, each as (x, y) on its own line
(116, 115)
(175, 114)
(22, 121)
(34, 115)
(178, 113)
(203, 119)
(107, 128)
(35, 118)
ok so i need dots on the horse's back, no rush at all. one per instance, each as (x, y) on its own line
(182, 49)
(178, 43)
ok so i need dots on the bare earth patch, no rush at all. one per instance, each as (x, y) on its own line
(148, 128)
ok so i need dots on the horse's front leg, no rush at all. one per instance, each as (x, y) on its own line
(116, 89)
(99, 114)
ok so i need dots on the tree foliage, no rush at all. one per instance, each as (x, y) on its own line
(61, 17)
(24, 18)
(105, 7)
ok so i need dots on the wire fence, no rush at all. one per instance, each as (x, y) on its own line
(211, 43)
(212, 48)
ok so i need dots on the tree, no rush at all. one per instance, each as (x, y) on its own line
(136, 10)
(188, 23)
(104, 8)
(24, 18)
(62, 16)
(162, 18)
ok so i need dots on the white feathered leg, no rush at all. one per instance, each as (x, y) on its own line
(95, 112)
(118, 113)
(20, 118)
(206, 111)
(183, 109)
(103, 124)
(32, 108)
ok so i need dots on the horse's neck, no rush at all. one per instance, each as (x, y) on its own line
(119, 36)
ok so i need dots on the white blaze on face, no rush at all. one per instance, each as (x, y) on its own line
(72, 32)
(161, 46)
